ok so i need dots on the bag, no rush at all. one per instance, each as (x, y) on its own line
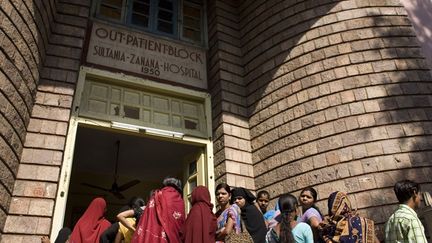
(242, 237)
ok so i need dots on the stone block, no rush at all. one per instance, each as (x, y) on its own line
(38, 172)
(34, 189)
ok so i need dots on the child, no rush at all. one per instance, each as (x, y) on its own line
(404, 225)
(263, 198)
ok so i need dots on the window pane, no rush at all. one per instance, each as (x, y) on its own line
(165, 27)
(131, 112)
(194, 1)
(141, 8)
(110, 12)
(113, 3)
(140, 20)
(164, 15)
(190, 22)
(192, 168)
(191, 11)
(166, 4)
(192, 34)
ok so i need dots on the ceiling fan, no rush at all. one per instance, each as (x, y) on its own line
(115, 188)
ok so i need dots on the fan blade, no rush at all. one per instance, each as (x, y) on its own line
(117, 194)
(94, 186)
(128, 185)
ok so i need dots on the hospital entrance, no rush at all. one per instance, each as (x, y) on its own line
(118, 165)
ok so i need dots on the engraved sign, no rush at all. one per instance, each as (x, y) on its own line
(146, 55)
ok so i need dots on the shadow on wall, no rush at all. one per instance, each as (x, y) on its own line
(339, 99)
(421, 17)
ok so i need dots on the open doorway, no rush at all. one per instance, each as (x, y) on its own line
(140, 158)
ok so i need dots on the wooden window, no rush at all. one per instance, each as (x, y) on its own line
(192, 21)
(111, 9)
(157, 16)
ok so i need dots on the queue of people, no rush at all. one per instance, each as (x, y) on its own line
(242, 217)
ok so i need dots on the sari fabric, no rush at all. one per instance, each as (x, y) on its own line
(162, 219)
(92, 223)
(232, 212)
(200, 225)
(343, 224)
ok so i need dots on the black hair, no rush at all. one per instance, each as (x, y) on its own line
(314, 195)
(288, 204)
(262, 193)
(136, 202)
(173, 182)
(224, 186)
(405, 189)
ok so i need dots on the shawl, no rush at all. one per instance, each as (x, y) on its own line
(251, 215)
(343, 223)
(162, 219)
(91, 224)
(200, 225)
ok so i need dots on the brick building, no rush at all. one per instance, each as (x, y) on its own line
(274, 95)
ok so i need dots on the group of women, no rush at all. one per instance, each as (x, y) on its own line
(240, 217)
(292, 220)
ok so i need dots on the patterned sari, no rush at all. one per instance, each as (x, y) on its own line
(232, 212)
(162, 219)
(343, 224)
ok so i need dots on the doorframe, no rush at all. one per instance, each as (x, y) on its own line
(76, 121)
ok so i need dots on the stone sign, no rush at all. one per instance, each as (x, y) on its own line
(146, 55)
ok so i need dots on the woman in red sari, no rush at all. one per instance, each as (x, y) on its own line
(200, 226)
(164, 215)
(92, 223)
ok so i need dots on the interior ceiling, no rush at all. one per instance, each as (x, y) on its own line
(143, 158)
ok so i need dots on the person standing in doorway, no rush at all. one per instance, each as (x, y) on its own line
(404, 224)
(163, 216)
(200, 225)
(92, 223)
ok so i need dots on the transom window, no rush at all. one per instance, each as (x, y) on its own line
(180, 19)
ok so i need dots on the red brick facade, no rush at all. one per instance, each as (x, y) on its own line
(330, 94)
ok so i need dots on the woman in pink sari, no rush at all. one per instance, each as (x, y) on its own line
(164, 215)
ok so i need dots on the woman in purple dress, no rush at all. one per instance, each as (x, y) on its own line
(310, 212)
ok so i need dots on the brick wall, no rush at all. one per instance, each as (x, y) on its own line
(41, 44)
(232, 151)
(338, 99)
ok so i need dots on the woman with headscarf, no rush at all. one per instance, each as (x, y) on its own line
(200, 225)
(163, 216)
(250, 214)
(343, 223)
(92, 223)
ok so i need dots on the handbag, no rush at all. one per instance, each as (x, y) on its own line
(242, 237)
